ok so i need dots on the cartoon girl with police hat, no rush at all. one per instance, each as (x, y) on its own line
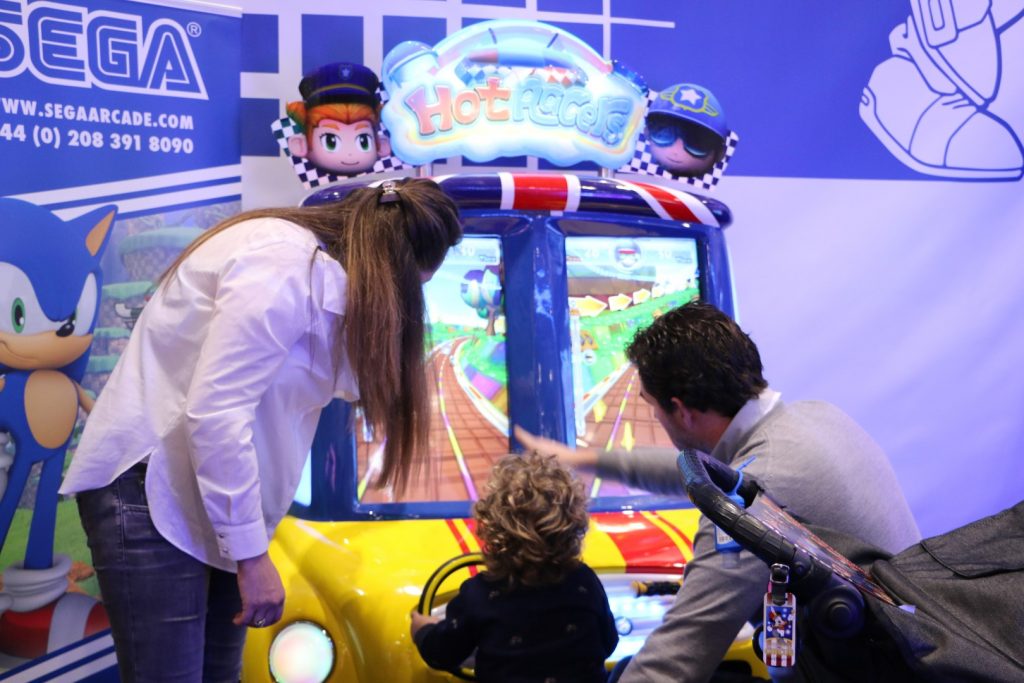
(339, 114)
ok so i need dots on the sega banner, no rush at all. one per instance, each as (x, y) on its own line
(115, 92)
(118, 130)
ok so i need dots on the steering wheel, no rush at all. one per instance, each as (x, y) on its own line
(429, 595)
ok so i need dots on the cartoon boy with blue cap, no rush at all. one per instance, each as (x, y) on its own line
(686, 130)
(339, 112)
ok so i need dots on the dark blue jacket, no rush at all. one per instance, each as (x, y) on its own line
(552, 634)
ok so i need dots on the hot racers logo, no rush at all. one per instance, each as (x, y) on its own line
(506, 88)
(72, 46)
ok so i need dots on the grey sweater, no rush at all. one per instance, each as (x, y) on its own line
(812, 459)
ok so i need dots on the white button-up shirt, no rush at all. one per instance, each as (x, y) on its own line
(220, 388)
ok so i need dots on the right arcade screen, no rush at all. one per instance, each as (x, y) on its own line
(618, 285)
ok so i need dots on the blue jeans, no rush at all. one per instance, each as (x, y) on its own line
(170, 614)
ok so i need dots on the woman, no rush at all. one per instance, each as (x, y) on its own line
(194, 449)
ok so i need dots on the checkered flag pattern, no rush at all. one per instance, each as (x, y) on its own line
(643, 163)
(309, 175)
(471, 73)
(561, 76)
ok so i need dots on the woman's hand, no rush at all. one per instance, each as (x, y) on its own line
(262, 592)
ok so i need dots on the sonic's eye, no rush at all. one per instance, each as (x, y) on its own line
(21, 312)
(81, 321)
(18, 315)
(364, 141)
(329, 141)
(68, 328)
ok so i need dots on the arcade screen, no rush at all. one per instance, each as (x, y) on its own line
(615, 284)
(466, 355)
(618, 285)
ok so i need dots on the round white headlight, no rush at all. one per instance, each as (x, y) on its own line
(301, 653)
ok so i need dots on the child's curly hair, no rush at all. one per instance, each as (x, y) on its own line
(532, 520)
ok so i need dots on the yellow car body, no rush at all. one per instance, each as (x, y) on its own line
(359, 581)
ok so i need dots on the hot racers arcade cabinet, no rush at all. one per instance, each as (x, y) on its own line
(528, 317)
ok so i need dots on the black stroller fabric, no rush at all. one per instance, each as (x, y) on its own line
(962, 618)
(967, 587)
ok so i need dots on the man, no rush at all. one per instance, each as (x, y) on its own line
(703, 377)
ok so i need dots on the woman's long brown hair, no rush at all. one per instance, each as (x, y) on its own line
(385, 248)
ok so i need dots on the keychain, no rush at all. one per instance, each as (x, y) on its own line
(779, 620)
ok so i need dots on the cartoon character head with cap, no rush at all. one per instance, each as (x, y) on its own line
(339, 114)
(686, 130)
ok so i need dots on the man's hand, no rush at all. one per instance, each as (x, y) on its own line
(262, 592)
(580, 458)
(419, 621)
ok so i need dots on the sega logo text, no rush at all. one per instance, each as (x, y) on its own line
(69, 45)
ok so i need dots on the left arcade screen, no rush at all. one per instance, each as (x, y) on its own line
(466, 361)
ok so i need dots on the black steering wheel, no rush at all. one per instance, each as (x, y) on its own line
(429, 595)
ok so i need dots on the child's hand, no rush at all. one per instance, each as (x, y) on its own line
(420, 620)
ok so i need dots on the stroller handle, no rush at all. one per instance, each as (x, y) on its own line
(721, 476)
(707, 481)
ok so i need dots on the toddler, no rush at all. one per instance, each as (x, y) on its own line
(537, 613)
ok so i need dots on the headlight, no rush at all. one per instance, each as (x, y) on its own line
(302, 652)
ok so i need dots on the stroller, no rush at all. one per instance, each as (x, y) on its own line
(950, 608)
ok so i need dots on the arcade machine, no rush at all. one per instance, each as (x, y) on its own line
(528, 317)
